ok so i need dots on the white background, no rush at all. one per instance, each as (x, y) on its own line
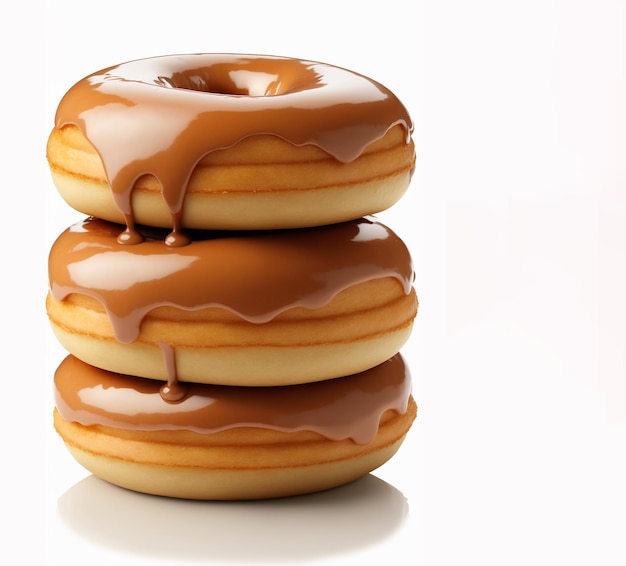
(516, 219)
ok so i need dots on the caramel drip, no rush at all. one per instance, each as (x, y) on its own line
(255, 275)
(162, 115)
(348, 407)
(173, 391)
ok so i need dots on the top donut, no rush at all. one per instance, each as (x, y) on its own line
(229, 141)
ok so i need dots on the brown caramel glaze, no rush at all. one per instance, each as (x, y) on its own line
(347, 407)
(256, 275)
(162, 115)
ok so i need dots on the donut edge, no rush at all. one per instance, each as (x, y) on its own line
(348, 463)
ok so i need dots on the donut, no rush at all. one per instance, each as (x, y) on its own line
(232, 309)
(260, 308)
(229, 142)
(223, 442)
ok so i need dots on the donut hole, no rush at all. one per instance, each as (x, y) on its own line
(242, 81)
(203, 80)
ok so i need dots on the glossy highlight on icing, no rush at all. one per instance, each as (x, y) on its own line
(160, 116)
(256, 275)
(348, 407)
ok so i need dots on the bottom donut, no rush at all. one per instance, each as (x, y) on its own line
(230, 443)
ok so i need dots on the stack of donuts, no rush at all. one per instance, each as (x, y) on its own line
(232, 311)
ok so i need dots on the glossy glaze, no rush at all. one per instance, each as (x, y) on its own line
(161, 115)
(253, 274)
(338, 409)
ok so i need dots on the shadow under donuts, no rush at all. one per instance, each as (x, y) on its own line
(345, 518)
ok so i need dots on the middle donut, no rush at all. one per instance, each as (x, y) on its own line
(233, 308)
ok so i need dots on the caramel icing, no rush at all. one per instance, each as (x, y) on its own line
(347, 407)
(162, 115)
(256, 275)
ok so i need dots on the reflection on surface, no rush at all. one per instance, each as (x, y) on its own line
(311, 526)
